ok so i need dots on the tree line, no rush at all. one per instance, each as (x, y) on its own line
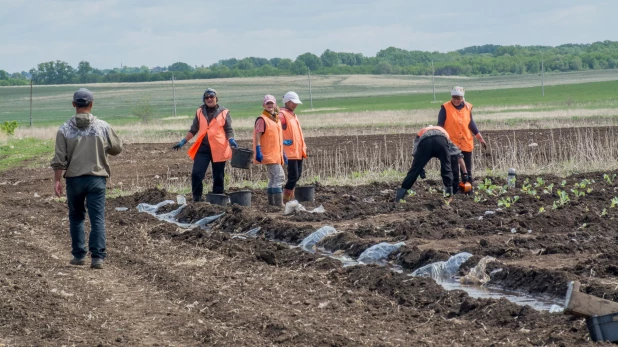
(469, 61)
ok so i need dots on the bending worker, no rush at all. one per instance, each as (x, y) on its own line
(268, 147)
(213, 126)
(293, 143)
(433, 142)
(456, 118)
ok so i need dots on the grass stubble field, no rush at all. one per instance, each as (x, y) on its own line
(168, 286)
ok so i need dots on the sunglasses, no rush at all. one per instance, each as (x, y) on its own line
(209, 97)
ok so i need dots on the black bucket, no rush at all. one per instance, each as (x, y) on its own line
(241, 157)
(305, 193)
(242, 198)
(217, 199)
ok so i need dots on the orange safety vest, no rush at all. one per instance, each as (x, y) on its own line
(456, 124)
(271, 142)
(219, 145)
(432, 127)
(298, 149)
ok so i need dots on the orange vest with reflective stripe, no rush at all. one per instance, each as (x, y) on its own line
(432, 127)
(298, 149)
(456, 124)
(219, 145)
(271, 142)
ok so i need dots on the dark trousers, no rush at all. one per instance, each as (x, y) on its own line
(295, 169)
(87, 192)
(431, 147)
(467, 157)
(203, 158)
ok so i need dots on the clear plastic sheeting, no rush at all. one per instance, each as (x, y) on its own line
(310, 241)
(442, 269)
(377, 253)
(454, 263)
(478, 274)
(152, 209)
(295, 206)
(170, 217)
(433, 270)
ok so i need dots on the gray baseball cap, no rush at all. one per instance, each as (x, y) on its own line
(83, 95)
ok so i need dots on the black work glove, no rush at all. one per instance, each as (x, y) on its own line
(422, 174)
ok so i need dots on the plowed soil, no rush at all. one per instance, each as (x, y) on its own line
(166, 286)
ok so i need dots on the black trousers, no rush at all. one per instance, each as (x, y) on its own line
(295, 169)
(431, 147)
(203, 158)
(467, 157)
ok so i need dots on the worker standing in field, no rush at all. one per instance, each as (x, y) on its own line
(456, 118)
(82, 145)
(434, 142)
(268, 148)
(293, 143)
(215, 137)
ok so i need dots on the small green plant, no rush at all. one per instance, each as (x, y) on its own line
(609, 179)
(541, 209)
(548, 189)
(614, 202)
(563, 183)
(508, 201)
(604, 212)
(539, 182)
(578, 193)
(564, 199)
(478, 197)
(411, 192)
(583, 226)
(9, 127)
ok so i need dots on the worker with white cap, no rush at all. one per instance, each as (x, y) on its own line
(293, 143)
(456, 118)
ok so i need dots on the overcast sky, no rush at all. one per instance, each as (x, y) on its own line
(158, 33)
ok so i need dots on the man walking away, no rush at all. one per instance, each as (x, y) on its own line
(433, 142)
(293, 143)
(82, 145)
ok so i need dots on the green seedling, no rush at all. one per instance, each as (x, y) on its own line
(614, 202)
(411, 192)
(549, 189)
(563, 183)
(541, 209)
(578, 193)
(508, 201)
(604, 212)
(564, 199)
(609, 179)
(539, 182)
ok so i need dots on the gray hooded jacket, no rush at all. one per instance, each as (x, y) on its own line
(82, 145)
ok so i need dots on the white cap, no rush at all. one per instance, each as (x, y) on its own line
(291, 96)
(458, 91)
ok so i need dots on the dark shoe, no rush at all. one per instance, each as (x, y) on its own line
(97, 263)
(278, 200)
(197, 198)
(78, 261)
(401, 193)
(423, 175)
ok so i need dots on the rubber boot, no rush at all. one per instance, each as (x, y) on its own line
(270, 199)
(400, 194)
(288, 195)
(278, 199)
(197, 198)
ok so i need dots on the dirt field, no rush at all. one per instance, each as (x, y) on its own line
(164, 286)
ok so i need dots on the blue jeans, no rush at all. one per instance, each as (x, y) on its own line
(91, 190)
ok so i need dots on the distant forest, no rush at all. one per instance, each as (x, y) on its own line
(469, 61)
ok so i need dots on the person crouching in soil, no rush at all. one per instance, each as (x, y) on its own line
(433, 142)
(268, 148)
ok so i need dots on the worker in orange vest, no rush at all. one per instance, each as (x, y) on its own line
(215, 137)
(293, 143)
(433, 142)
(268, 148)
(456, 118)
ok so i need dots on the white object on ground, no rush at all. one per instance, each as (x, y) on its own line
(478, 274)
(294, 206)
(375, 253)
(310, 241)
